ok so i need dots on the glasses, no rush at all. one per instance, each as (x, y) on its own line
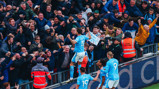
(37, 39)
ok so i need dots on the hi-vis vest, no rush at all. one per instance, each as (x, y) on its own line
(128, 45)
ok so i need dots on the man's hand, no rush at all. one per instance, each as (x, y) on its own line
(91, 18)
(68, 36)
(32, 55)
(98, 72)
(55, 51)
(23, 54)
(18, 44)
(108, 12)
(7, 14)
(1, 78)
(13, 58)
(39, 45)
(8, 54)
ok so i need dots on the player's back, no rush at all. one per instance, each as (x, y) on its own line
(79, 46)
(83, 81)
(112, 66)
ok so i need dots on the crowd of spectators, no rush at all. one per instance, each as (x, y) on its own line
(33, 28)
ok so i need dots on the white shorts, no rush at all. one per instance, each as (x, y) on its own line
(103, 87)
(113, 83)
(78, 57)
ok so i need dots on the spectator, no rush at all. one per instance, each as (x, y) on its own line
(26, 10)
(38, 74)
(129, 46)
(145, 31)
(144, 7)
(131, 26)
(121, 6)
(8, 47)
(115, 48)
(151, 15)
(132, 8)
(5, 71)
(96, 31)
(110, 31)
(36, 46)
(110, 6)
(11, 24)
(41, 22)
(64, 55)
(113, 18)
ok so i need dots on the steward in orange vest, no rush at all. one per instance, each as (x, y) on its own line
(129, 47)
(39, 73)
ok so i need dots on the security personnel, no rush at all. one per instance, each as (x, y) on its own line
(129, 47)
(38, 73)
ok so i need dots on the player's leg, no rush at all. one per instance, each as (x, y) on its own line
(71, 70)
(72, 66)
(106, 84)
(79, 58)
(79, 66)
(115, 84)
(110, 84)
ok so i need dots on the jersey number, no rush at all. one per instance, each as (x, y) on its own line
(85, 82)
(115, 65)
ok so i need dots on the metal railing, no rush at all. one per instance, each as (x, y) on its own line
(59, 77)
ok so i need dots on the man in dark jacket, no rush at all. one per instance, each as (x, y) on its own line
(64, 58)
(110, 6)
(36, 46)
(132, 8)
(116, 48)
(7, 47)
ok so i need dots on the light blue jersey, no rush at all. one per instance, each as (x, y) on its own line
(112, 71)
(79, 46)
(83, 81)
(103, 73)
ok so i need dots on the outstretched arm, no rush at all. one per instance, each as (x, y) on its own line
(154, 22)
(72, 41)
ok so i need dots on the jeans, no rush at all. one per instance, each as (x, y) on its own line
(21, 81)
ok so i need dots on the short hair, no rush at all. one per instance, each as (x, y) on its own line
(151, 9)
(131, 20)
(103, 62)
(37, 37)
(144, 2)
(96, 27)
(10, 19)
(111, 27)
(79, 30)
(22, 3)
(9, 37)
(82, 69)
(116, 0)
(110, 54)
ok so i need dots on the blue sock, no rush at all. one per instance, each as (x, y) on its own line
(79, 73)
(71, 71)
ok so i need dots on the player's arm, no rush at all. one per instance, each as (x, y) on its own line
(103, 80)
(89, 34)
(95, 79)
(72, 41)
(77, 86)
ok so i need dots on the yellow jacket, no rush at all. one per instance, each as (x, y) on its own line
(143, 34)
